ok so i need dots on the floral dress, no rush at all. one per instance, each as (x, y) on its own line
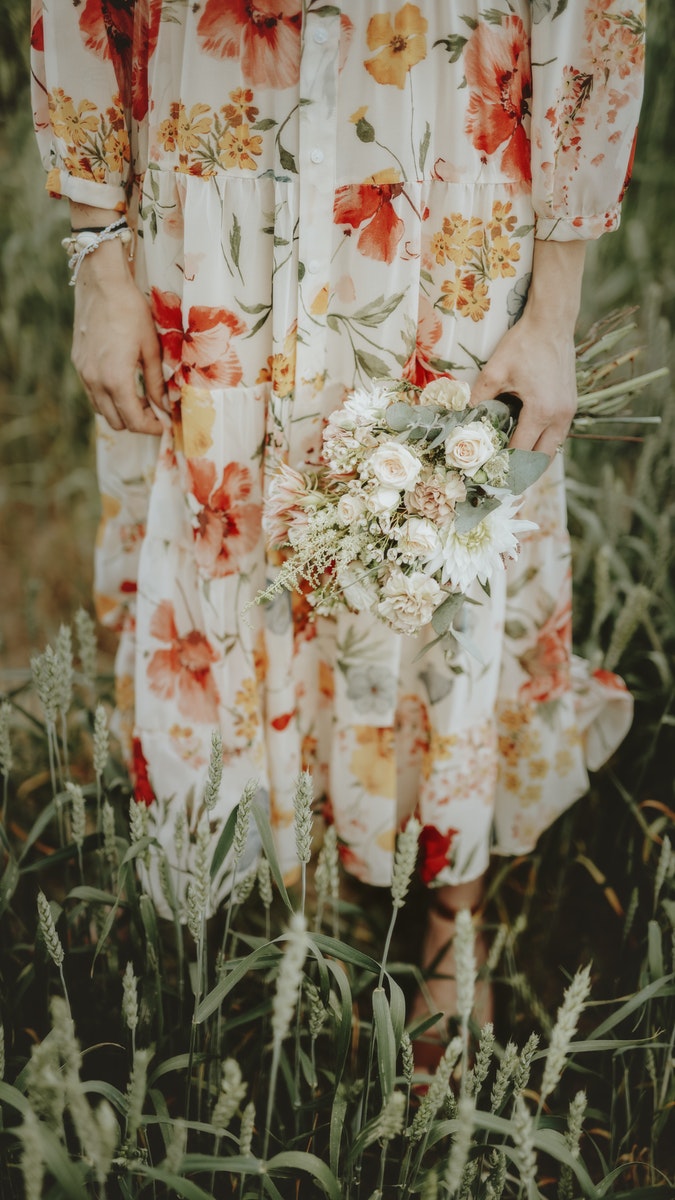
(323, 195)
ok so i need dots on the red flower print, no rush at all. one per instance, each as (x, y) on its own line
(184, 669)
(264, 36)
(370, 205)
(228, 524)
(610, 680)
(418, 368)
(434, 848)
(202, 354)
(548, 661)
(37, 32)
(143, 793)
(498, 75)
(148, 17)
(108, 31)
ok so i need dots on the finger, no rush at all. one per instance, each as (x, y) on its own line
(134, 410)
(103, 405)
(527, 433)
(151, 361)
(550, 442)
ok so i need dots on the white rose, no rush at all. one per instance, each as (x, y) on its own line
(447, 393)
(394, 465)
(340, 419)
(383, 500)
(359, 589)
(350, 508)
(409, 601)
(418, 538)
(468, 447)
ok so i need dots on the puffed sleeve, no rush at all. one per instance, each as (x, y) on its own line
(587, 78)
(80, 55)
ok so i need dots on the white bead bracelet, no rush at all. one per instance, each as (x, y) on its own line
(82, 242)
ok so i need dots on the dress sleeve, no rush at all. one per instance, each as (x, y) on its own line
(587, 78)
(79, 56)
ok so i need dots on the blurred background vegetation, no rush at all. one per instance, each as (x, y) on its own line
(587, 892)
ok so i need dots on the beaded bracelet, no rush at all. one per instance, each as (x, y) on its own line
(84, 241)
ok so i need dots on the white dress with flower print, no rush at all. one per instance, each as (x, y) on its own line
(325, 194)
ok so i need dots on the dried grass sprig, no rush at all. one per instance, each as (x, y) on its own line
(564, 1030)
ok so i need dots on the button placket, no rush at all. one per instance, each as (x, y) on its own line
(316, 165)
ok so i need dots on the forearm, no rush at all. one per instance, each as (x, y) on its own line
(555, 290)
(111, 258)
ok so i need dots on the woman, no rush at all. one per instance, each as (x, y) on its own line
(322, 195)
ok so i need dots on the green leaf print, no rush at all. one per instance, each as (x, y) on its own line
(493, 16)
(287, 160)
(424, 146)
(235, 241)
(377, 310)
(264, 124)
(364, 130)
(454, 44)
(371, 364)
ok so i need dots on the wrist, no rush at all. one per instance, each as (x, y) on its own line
(108, 262)
(554, 297)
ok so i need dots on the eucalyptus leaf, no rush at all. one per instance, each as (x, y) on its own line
(446, 612)
(468, 515)
(525, 468)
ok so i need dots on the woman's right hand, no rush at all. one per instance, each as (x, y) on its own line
(114, 337)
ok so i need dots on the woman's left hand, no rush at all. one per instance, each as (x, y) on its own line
(535, 362)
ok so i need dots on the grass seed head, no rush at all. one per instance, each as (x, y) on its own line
(407, 1058)
(215, 771)
(78, 815)
(465, 963)
(245, 886)
(437, 1090)
(390, 1120)
(505, 1073)
(130, 997)
(232, 1092)
(64, 668)
(45, 677)
(48, 930)
(404, 861)
(265, 881)
(564, 1029)
(479, 1071)
(523, 1138)
(175, 1151)
(109, 834)
(289, 978)
(85, 628)
(461, 1145)
(247, 1129)
(136, 1094)
(302, 809)
(32, 1163)
(101, 741)
(496, 1180)
(524, 1066)
(243, 820)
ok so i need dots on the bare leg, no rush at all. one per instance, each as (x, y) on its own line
(440, 993)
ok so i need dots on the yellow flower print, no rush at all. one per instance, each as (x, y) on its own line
(511, 781)
(83, 167)
(237, 146)
(246, 717)
(458, 240)
(503, 254)
(572, 737)
(72, 124)
(124, 693)
(116, 150)
(539, 768)
(319, 304)
(280, 368)
(514, 718)
(473, 300)
(241, 107)
(359, 114)
(192, 126)
(198, 415)
(168, 130)
(401, 44)
(373, 763)
(563, 762)
(530, 795)
(508, 750)
(503, 220)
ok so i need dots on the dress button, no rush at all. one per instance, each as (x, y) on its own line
(320, 35)
(316, 155)
(313, 266)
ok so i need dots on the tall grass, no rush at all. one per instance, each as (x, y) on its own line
(139, 1058)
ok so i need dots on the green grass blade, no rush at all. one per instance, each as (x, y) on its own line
(262, 820)
(384, 1042)
(298, 1160)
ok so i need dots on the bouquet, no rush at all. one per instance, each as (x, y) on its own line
(416, 497)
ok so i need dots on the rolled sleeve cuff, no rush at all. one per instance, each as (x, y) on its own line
(86, 191)
(577, 229)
